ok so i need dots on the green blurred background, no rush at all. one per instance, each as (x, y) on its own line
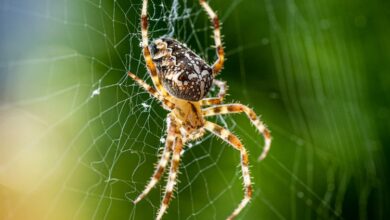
(79, 139)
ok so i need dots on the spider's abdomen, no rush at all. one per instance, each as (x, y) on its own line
(183, 73)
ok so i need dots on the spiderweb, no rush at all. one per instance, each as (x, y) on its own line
(80, 139)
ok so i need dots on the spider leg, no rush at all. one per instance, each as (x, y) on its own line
(152, 91)
(218, 65)
(221, 94)
(159, 171)
(192, 137)
(235, 143)
(172, 176)
(238, 108)
(146, 52)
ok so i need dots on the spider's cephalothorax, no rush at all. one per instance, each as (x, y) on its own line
(183, 73)
(181, 82)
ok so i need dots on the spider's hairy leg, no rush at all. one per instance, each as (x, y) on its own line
(218, 65)
(221, 94)
(238, 108)
(148, 58)
(159, 171)
(151, 91)
(175, 161)
(235, 143)
(192, 137)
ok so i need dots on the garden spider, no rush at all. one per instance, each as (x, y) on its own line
(181, 81)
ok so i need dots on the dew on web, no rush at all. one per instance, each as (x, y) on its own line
(95, 92)
(146, 106)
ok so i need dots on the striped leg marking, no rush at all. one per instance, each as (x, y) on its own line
(172, 177)
(218, 65)
(221, 94)
(192, 137)
(151, 91)
(159, 171)
(236, 143)
(148, 59)
(238, 108)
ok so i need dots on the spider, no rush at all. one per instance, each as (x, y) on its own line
(181, 82)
